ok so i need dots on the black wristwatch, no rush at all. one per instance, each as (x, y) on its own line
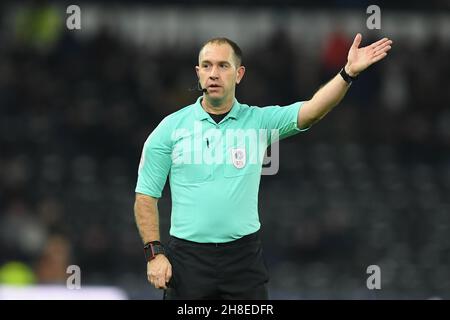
(347, 78)
(151, 249)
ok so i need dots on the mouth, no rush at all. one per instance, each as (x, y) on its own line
(214, 86)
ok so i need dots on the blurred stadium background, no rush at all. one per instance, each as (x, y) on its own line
(368, 185)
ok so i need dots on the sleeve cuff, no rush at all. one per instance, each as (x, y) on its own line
(148, 193)
(297, 116)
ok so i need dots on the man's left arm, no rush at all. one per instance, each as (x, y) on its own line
(327, 97)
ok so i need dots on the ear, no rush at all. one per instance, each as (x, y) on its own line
(197, 68)
(240, 74)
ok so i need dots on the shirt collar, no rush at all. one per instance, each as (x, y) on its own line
(201, 114)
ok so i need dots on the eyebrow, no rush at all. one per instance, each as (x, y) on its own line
(219, 62)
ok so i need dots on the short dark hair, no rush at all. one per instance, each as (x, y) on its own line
(221, 40)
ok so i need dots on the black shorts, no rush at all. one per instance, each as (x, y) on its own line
(232, 270)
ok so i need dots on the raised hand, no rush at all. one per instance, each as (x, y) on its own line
(359, 59)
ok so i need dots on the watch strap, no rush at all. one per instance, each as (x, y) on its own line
(153, 248)
(347, 78)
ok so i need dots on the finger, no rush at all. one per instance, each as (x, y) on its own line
(357, 41)
(379, 42)
(160, 279)
(382, 46)
(168, 273)
(379, 57)
(382, 50)
(152, 278)
(160, 283)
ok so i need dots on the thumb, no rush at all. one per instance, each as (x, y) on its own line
(357, 41)
(168, 272)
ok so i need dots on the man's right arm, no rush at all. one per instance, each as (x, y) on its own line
(147, 217)
(159, 270)
(154, 168)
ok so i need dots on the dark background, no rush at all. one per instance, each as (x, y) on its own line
(368, 185)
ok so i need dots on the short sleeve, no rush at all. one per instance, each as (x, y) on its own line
(282, 119)
(155, 162)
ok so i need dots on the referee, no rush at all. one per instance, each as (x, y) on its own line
(212, 151)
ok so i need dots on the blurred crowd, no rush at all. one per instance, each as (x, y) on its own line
(367, 185)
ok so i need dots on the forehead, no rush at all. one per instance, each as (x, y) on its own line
(216, 51)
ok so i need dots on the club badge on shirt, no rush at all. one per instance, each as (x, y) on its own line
(238, 157)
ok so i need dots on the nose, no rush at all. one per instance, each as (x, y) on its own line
(214, 75)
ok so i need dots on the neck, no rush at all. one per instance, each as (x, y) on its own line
(217, 108)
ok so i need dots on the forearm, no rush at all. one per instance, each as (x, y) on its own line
(323, 101)
(147, 217)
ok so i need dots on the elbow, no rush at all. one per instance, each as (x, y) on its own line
(307, 122)
(314, 119)
(144, 200)
(308, 115)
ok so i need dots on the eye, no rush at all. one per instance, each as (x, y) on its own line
(224, 65)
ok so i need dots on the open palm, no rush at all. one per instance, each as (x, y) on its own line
(359, 59)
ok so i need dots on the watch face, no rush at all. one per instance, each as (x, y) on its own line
(151, 250)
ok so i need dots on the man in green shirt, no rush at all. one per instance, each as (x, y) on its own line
(212, 152)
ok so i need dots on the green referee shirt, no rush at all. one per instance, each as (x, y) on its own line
(214, 169)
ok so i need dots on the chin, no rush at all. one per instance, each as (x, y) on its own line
(215, 100)
(215, 97)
